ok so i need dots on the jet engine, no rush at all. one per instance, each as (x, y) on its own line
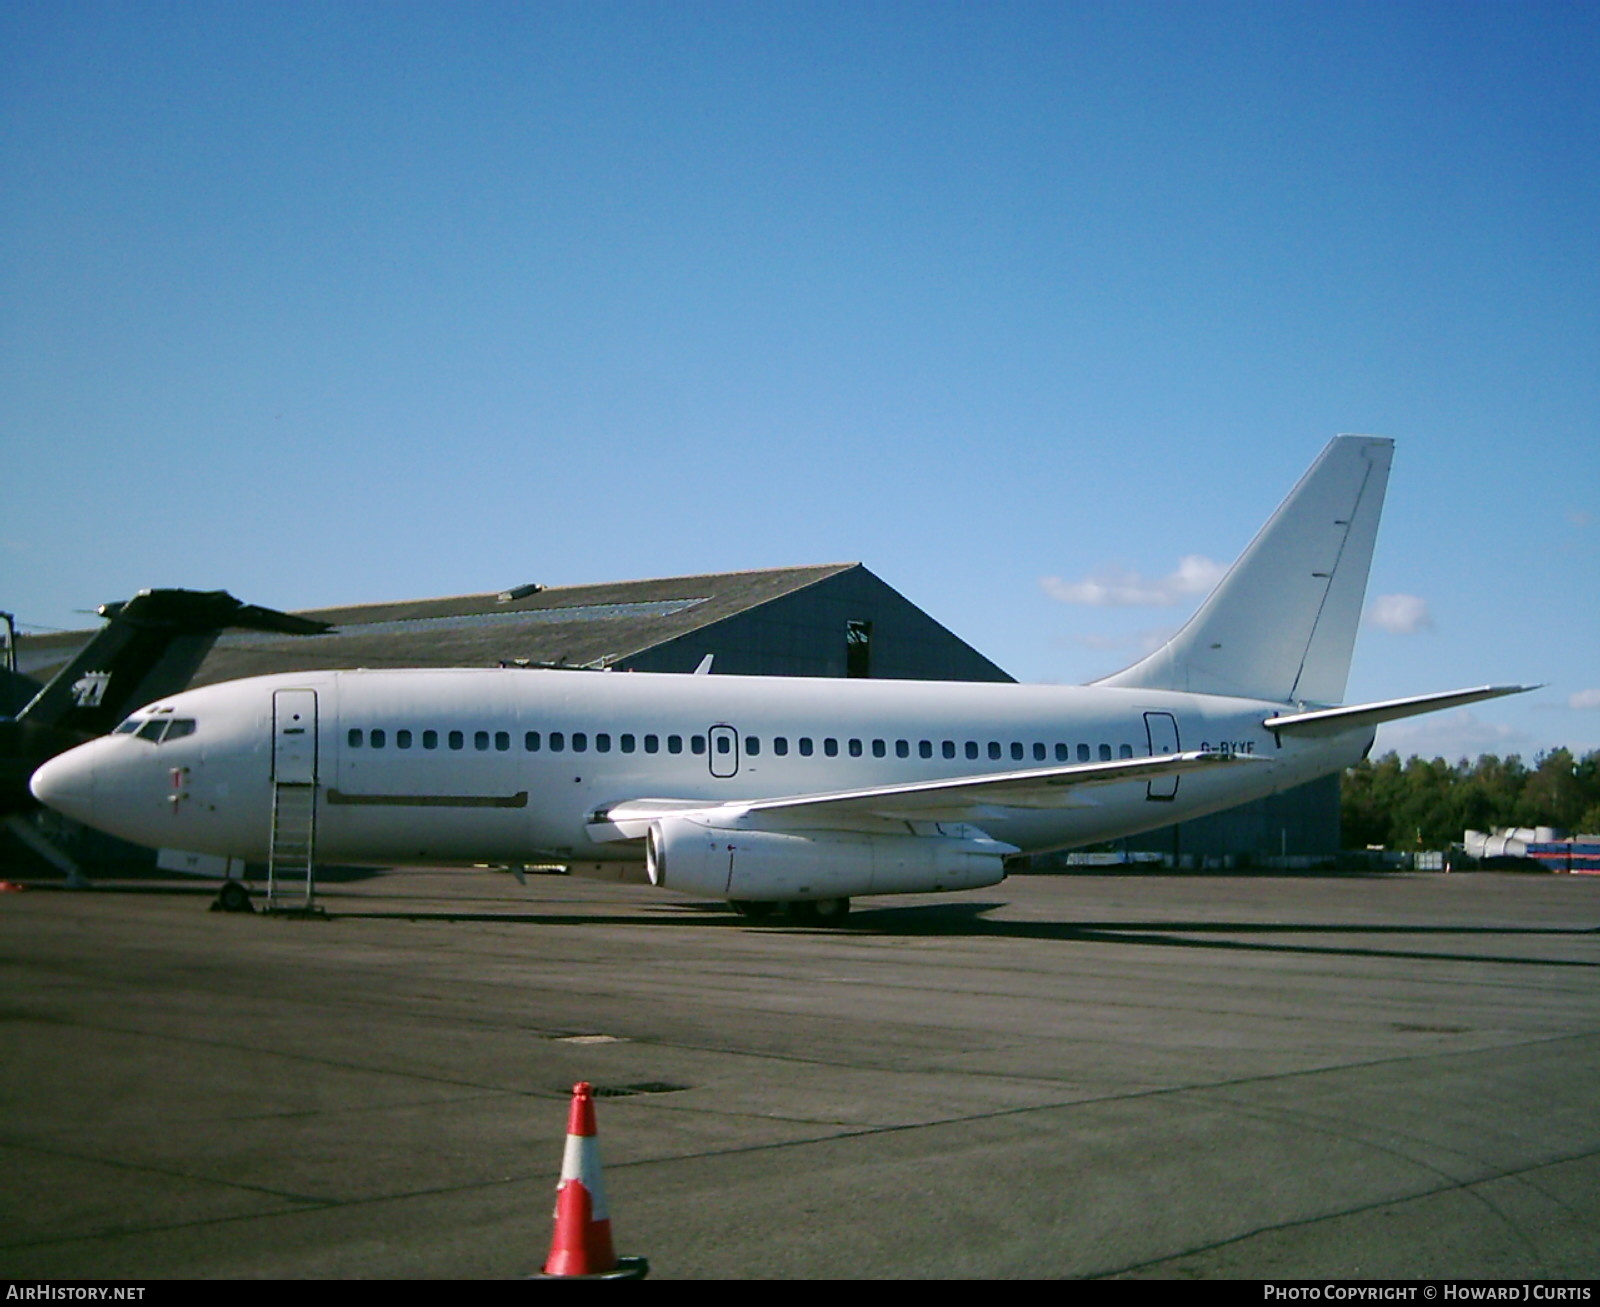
(691, 857)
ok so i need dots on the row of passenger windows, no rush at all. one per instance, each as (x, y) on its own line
(804, 745)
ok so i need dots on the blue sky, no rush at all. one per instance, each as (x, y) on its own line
(324, 303)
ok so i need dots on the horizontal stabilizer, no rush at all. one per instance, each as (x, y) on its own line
(206, 610)
(945, 799)
(1335, 721)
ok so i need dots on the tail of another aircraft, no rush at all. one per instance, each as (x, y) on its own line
(1282, 623)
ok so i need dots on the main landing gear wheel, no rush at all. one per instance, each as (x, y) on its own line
(819, 912)
(233, 897)
(753, 909)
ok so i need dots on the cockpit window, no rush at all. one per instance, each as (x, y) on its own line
(159, 729)
(129, 727)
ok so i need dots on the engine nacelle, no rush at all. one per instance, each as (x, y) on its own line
(691, 857)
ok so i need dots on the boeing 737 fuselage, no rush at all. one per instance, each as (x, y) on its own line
(766, 790)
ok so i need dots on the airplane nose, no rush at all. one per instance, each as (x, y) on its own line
(65, 784)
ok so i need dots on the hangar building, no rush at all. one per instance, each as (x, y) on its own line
(834, 620)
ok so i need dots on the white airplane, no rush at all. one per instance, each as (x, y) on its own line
(777, 790)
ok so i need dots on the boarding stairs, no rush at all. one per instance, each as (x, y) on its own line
(291, 864)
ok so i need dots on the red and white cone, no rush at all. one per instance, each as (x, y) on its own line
(582, 1242)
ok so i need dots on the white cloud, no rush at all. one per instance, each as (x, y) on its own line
(1120, 588)
(1452, 735)
(1140, 642)
(1401, 614)
(1585, 699)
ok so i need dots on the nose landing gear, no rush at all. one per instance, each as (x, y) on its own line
(233, 897)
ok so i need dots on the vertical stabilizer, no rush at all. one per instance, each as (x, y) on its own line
(1282, 622)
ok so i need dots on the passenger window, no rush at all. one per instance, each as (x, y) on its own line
(558, 741)
(752, 745)
(402, 739)
(724, 744)
(674, 744)
(697, 745)
(580, 741)
(502, 741)
(830, 746)
(855, 748)
(602, 743)
(902, 748)
(924, 748)
(780, 745)
(353, 739)
(994, 749)
(480, 740)
(430, 739)
(378, 739)
(1063, 754)
(972, 748)
(948, 748)
(457, 740)
(530, 741)
(1105, 753)
(805, 746)
(652, 744)
(1083, 753)
(628, 743)
(1038, 753)
(1125, 751)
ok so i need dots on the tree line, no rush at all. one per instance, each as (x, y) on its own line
(1422, 804)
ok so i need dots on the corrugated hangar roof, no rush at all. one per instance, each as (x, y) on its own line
(781, 621)
(575, 625)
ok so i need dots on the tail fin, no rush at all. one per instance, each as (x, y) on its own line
(1282, 622)
(150, 646)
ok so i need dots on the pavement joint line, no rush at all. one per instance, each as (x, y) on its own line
(1317, 1122)
(146, 1168)
(1358, 1209)
(313, 1204)
(1159, 1091)
(537, 1093)
(1265, 1078)
(288, 1055)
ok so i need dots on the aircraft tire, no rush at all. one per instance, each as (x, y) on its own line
(753, 909)
(819, 912)
(831, 912)
(234, 897)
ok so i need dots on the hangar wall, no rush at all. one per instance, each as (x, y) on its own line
(806, 633)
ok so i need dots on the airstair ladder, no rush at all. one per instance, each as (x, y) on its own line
(291, 866)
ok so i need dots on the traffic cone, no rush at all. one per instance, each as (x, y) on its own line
(581, 1247)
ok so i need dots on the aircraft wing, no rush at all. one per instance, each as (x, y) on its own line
(954, 798)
